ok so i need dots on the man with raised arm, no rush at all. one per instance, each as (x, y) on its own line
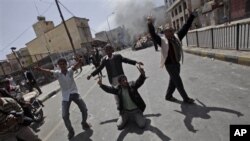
(171, 54)
(69, 93)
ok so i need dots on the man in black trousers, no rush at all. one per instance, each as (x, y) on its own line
(31, 81)
(172, 53)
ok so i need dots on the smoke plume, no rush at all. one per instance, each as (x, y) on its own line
(132, 14)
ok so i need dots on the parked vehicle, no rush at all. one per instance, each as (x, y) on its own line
(34, 108)
(143, 42)
(31, 105)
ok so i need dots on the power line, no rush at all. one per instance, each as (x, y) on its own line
(36, 8)
(66, 9)
(47, 8)
(73, 14)
(7, 46)
(16, 38)
(46, 2)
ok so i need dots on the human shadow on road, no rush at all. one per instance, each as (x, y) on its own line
(83, 136)
(132, 128)
(191, 111)
(114, 120)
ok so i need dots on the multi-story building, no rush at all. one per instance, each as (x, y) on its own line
(5, 68)
(23, 55)
(53, 39)
(239, 9)
(178, 11)
(211, 12)
(118, 36)
(13, 62)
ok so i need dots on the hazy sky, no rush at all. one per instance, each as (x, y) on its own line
(18, 16)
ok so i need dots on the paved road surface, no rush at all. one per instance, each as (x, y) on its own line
(222, 98)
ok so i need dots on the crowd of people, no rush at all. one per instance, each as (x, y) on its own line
(129, 102)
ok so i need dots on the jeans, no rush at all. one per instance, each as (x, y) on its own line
(175, 81)
(65, 110)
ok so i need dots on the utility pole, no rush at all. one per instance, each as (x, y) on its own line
(12, 49)
(22, 69)
(66, 28)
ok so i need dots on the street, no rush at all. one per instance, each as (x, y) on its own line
(220, 89)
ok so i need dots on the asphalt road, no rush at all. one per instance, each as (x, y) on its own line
(221, 91)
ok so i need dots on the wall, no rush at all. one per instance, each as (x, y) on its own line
(56, 40)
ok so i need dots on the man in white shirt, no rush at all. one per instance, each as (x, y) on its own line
(69, 93)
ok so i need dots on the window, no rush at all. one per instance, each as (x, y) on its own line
(172, 13)
(185, 5)
(176, 11)
(182, 21)
(177, 24)
(180, 9)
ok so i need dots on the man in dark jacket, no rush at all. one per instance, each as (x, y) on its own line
(171, 50)
(113, 64)
(96, 59)
(31, 81)
(131, 105)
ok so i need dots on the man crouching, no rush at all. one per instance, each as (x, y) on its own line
(131, 105)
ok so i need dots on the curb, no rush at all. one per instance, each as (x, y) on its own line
(43, 99)
(242, 60)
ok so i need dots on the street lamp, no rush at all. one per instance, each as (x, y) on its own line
(13, 51)
(109, 26)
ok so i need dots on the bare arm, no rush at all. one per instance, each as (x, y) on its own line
(47, 71)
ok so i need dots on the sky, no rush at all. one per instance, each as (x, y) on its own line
(18, 16)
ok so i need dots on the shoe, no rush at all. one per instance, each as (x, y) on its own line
(189, 101)
(171, 99)
(71, 134)
(86, 126)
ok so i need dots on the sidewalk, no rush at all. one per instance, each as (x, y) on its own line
(233, 56)
(53, 88)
